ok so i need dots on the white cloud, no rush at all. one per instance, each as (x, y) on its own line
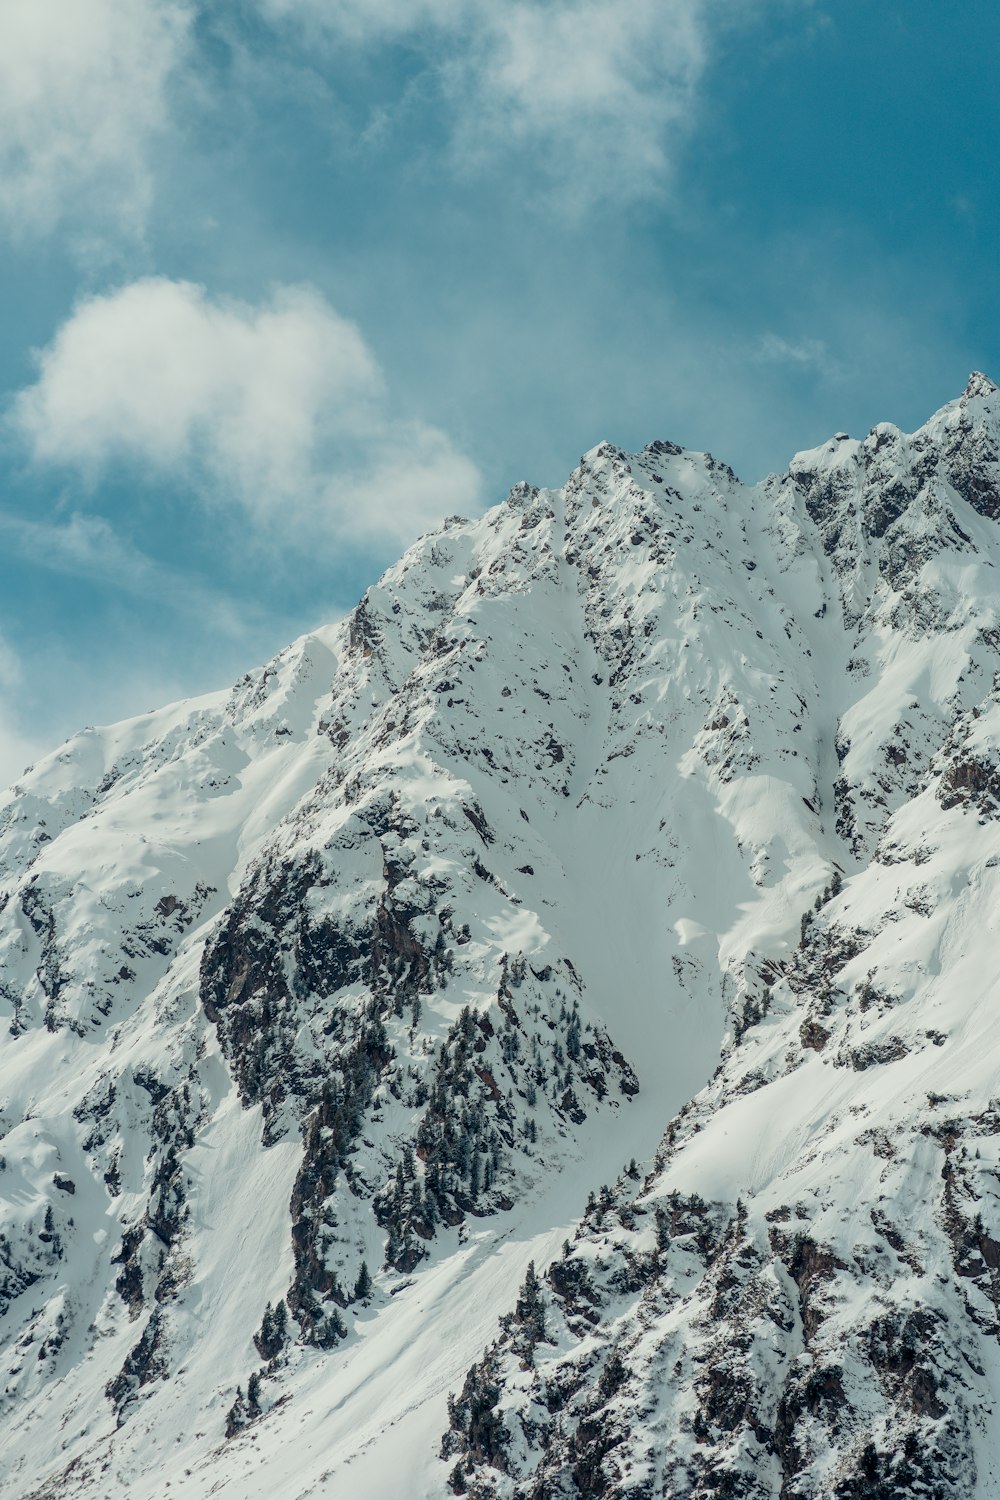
(603, 92)
(608, 88)
(279, 408)
(83, 96)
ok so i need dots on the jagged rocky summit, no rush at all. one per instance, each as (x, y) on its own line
(537, 1037)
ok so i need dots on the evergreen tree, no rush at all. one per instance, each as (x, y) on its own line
(457, 1480)
(529, 1314)
(237, 1416)
(330, 1331)
(273, 1334)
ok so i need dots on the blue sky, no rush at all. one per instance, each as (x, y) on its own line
(285, 281)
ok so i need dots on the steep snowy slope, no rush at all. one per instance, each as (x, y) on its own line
(330, 1002)
(799, 1297)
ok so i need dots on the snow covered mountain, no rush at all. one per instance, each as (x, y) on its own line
(346, 1014)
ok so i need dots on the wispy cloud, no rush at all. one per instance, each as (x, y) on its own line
(803, 353)
(89, 548)
(84, 94)
(63, 682)
(603, 94)
(278, 408)
(608, 89)
(596, 97)
(18, 746)
(175, 633)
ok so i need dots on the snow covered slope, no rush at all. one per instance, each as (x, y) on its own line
(652, 803)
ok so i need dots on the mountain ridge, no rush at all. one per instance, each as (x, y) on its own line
(454, 907)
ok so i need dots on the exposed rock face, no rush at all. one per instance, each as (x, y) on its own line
(331, 1000)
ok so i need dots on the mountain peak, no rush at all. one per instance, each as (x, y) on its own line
(979, 385)
(330, 1003)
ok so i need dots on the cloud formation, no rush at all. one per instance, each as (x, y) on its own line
(602, 92)
(84, 88)
(596, 95)
(279, 408)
